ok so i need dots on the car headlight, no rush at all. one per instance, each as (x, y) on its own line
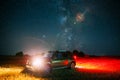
(38, 63)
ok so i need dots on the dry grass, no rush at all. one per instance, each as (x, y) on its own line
(14, 73)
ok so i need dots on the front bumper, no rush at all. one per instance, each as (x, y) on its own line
(45, 68)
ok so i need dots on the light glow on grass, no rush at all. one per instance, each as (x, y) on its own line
(4, 71)
(13, 73)
(98, 64)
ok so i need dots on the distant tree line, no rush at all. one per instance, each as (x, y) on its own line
(74, 52)
(78, 53)
(19, 53)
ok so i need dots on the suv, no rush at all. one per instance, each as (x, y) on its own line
(62, 59)
(55, 60)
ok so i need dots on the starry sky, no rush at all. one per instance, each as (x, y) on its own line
(34, 26)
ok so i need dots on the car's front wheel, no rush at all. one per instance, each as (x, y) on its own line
(48, 69)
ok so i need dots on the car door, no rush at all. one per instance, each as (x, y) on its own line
(59, 60)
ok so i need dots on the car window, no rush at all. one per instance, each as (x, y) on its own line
(58, 56)
(61, 55)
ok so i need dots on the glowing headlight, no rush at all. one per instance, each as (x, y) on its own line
(37, 62)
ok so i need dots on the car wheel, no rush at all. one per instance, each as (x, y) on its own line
(72, 66)
(48, 69)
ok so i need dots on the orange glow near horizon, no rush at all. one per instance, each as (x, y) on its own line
(98, 64)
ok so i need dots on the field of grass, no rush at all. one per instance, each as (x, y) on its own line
(11, 72)
(14, 73)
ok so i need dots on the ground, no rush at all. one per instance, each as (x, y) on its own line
(89, 68)
(15, 73)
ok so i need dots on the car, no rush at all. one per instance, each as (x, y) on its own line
(55, 60)
(63, 59)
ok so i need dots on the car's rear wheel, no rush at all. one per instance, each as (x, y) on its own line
(72, 66)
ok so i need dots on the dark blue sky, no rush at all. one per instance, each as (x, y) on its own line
(28, 24)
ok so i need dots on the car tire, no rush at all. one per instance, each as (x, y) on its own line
(72, 65)
(49, 69)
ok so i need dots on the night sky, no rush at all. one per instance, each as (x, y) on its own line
(34, 26)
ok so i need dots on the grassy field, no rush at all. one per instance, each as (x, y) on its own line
(11, 72)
